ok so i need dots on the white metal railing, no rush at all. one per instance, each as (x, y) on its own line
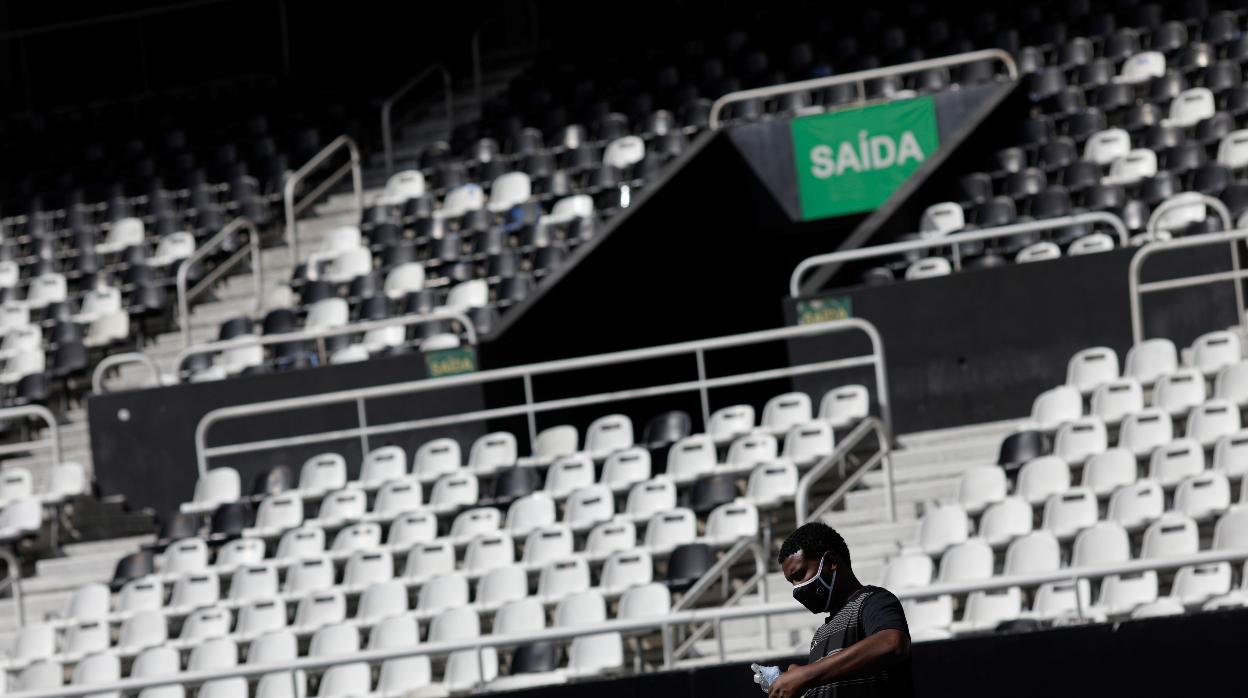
(954, 240)
(1186, 199)
(852, 441)
(1136, 289)
(387, 107)
(530, 408)
(758, 555)
(312, 335)
(116, 360)
(664, 625)
(14, 582)
(44, 415)
(257, 270)
(860, 79)
(293, 208)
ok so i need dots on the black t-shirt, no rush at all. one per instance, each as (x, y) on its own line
(878, 611)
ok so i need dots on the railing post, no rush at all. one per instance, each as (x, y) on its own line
(361, 416)
(15, 575)
(702, 392)
(530, 414)
(293, 179)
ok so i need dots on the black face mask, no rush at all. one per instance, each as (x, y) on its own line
(814, 593)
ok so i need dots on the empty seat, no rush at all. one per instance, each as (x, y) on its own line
(647, 498)
(1122, 593)
(205, 624)
(612, 536)
(610, 433)
(218, 486)
(728, 422)
(691, 458)
(543, 545)
(669, 529)
(589, 654)
(1035, 553)
(1056, 406)
(430, 559)
(1042, 477)
(1055, 600)
(260, 617)
(980, 487)
(253, 582)
(1091, 367)
(323, 473)
(569, 473)
(1151, 359)
(1145, 430)
(454, 491)
(1076, 441)
(1171, 463)
(1114, 400)
(1190, 107)
(928, 268)
(529, 513)
(1171, 535)
(1179, 391)
(1230, 454)
(771, 484)
(845, 405)
(783, 412)
(1067, 513)
(929, 618)
(588, 506)
(1134, 505)
(1105, 472)
(437, 458)
(1005, 520)
(1232, 383)
(808, 442)
(731, 522)
(299, 543)
(1211, 421)
(488, 551)
(987, 609)
(625, 468)
(1195, 584)
(908, 571)
(340, 508)
(968, 561)
(941, 527)
(492, 451)
(278, 513)
(748, 450)
(1215, 350)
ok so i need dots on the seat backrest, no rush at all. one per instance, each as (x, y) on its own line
(981, 486)
(929, 268)
(845, 405)
(404, 185)
(530, 512)
(730, 421)
(462, 199)
(525, 615)
(434, 558)
(1004, 520)
(785, 411)
(752, 449)
(1106, 471)
(1135, 504)
(589, 505)
(1042, 477)
(1214, 350)
(609, 433)
(1066, 513)
(1211, 421)
(970, 560)
(562, 578)
(366, 567)
(624, 152)
(772, 483)
(547, 543)
(1114, 400)
(1191, 106)
(569, 473)
(196, 591)
(652, 496)
(941, 527)
(382, 465)
(1172, 534)
(1180, 458)
(1231, 383)
(213, 655)
(218, 486)
(1230, 454)
(1150, 359)
(458, 622)
(321, 609)
(908, 570)
(1103, 147)
(1145, 430)
(1179, 390)
(205, 624)
(253, 582)
(307, 541)
(334, 641)
(454, 490)
(489, 551)
(144, 629)
(437, 457)
(1038, 252)
(343, 505)
(261, 616)
(611, 536)
(941, 219)
(626, 467)
(1056, 406)
(1077, 440)
(552, 442)
(1203, 495)
(809, 441)
(671, 528)
(1090, 367)
(510, 189)
(691, 457)
(1035, 553)
(493, 450)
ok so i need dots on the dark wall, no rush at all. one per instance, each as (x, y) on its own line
(1196, 654)
(979, 346)
(143, 441)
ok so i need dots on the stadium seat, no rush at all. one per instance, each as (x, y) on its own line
(1005, 520)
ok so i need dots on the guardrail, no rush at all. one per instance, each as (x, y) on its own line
(387, 107)
(311, 335)
(860, 78)
(1224, 213)
(115, 360)
(758, 555)
(293, 209)
(953, 240)
(43, 414)
(257, 270)
(14, 581)
(530, 408)
(1136, 289)
(663, 625)
(867, 427)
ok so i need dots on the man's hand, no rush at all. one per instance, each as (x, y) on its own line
(791, 684)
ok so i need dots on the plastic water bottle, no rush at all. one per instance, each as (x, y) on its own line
(764, 676)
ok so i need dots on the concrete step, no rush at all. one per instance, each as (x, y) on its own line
(912, 492)
(920, 472)
(874, 533)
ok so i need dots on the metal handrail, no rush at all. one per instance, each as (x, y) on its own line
(114, 360)
(662, 624)
(288, 191)
(1174, 202)
(1136, 289)
(530, 408)
(43, 413)
(712, 576)
(309, 335)
(954, 239)
(860, 77)
(257, 269)
(388, 106)
(882, 457)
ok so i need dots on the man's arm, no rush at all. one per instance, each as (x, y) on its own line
(873, 653)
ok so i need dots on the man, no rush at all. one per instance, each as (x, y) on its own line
(863, 649)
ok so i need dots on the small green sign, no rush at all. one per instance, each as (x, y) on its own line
(852, 160)
(824, 309)
(450, 362)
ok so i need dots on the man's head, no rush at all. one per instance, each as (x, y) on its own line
(816, 549)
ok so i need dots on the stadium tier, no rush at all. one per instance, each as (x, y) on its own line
(525, 390)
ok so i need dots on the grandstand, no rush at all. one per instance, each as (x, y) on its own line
(505, 362)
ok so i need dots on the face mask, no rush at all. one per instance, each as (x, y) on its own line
(814, 593)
